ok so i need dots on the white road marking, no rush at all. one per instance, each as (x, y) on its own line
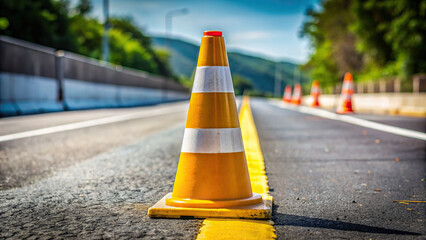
(212, 140)
(91, 123)
(353, 120)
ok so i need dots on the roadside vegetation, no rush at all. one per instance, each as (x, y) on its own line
(373, 39)
(55, 24)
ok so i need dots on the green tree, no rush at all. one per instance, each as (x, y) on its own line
(89, 35)
(163, 58)
(392, 34)
(53, 23)
(127, 51)
(241, 84)
(128, 45)
(334, 46)
(84, 7)
(128, 26)
(374, 39)
(44, 22)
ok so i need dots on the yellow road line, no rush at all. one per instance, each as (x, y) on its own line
(239, 228)
(255, 161)
(236, 229)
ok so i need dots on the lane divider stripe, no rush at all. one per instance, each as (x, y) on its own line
(212, 79)
(353, 120)
(212, 140)
(244, 228)
(91, 123)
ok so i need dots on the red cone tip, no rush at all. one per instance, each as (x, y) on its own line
(212, 33)
(348, 76)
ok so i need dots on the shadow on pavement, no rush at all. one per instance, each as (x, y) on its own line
(301, 221)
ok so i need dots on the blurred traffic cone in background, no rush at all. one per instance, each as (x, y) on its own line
(287, 94)
(212, 171)
(315, 92)
(345, 102)
(297, 94)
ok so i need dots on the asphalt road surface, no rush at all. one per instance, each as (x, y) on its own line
(334, 180)
(84, 183)
(330, 179)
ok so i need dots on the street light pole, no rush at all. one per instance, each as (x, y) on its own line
(169, 24)
(168, 28)
(105, 40)
(277, 87)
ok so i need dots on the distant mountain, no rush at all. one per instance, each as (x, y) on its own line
(259, 71)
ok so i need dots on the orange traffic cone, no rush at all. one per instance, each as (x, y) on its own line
(345, 102)
(287, 94)
(212, 178)
(315, 92)
(297, 94)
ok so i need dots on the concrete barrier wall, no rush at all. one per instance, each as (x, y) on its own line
(409, 104)
(36, 79)
(393, 85)
(86, 95)
(24, 94)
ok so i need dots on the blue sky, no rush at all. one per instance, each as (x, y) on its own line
(267, 28)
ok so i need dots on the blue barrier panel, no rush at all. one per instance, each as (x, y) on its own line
(24, 94)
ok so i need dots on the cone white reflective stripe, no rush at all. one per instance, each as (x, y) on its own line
(348, 85)
(212, 79)
(345, 96)
(287, 94)
(212, 140)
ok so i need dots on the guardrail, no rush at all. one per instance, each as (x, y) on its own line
(395, 85)
(408, 104)
(35, 78)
